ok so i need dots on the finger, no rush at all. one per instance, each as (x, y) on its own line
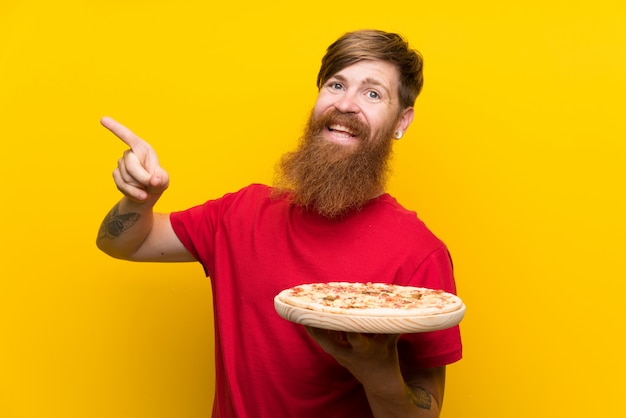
(160, 180)
(129, 190)
(322, 336)
(311, 331)
(359, 340)
(125, 176)
(121, 131)
(333, 342)
(148, 158)
(135, 168)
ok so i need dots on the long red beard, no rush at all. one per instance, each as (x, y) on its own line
(334, 179)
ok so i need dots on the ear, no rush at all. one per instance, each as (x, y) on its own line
(406, 117)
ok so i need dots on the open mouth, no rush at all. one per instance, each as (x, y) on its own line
(341, 131)
(345, 129)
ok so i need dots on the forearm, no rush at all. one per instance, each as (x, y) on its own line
(391, 390)
(402, 401)
(125, 228)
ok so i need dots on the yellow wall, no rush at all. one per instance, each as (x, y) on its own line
(516, 159)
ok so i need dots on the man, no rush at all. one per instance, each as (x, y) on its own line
(327, 218)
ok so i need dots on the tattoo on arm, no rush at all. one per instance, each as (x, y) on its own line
(115, 224)
(420, 397)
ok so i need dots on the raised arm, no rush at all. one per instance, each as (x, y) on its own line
(131, 230)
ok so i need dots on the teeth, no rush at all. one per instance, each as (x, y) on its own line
(340, 128)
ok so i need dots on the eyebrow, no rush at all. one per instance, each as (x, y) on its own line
(374, 82)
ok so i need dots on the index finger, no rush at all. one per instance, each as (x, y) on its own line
(122, 132)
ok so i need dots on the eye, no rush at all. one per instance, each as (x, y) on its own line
(334, 85)
(371, 94)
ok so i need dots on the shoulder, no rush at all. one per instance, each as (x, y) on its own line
(252, 192)
(252, 198)
(255, 189)
(413, 240)
(244, 196)
(404, 222)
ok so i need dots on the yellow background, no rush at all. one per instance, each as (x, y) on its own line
(516, 159)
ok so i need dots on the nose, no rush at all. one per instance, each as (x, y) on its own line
(347, 103)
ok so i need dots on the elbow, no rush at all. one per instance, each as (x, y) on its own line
(110, 250)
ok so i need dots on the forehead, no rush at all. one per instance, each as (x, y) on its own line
(367, 72)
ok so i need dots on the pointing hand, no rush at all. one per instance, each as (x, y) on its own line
(138, 174)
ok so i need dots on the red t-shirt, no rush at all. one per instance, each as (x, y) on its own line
(253, 247)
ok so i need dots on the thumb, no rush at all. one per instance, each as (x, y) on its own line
(159, 181)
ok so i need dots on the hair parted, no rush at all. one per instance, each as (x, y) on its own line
(371, 44)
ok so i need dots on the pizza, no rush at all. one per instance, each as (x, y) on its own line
(370, 299)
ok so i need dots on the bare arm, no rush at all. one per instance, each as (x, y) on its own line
(131, 230)
(420, 394)
(391, 390)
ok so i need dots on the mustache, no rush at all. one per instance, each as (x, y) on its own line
(334, 117)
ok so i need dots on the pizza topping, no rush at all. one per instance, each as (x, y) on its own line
(370, 299)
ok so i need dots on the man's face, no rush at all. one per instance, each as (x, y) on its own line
(342, 161)
(365, 94)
